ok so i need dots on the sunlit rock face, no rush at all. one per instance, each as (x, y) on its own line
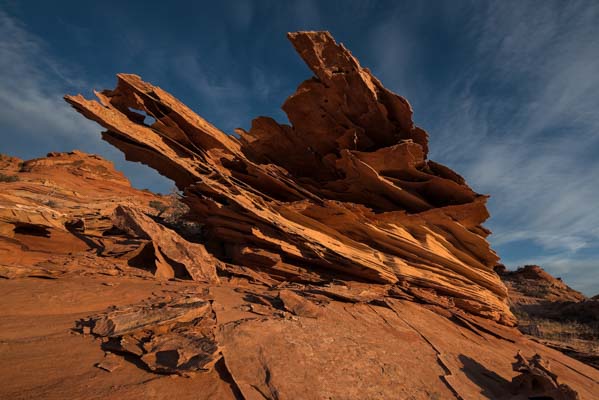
(345, 192)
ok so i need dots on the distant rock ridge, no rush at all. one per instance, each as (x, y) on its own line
(533, 281)
(344, 192)
(550, 310)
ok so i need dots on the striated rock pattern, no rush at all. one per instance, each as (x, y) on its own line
(152, 332)
(71, 211)
(344, 192)
(61, 191)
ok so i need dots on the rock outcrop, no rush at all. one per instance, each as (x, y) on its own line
(62, 190)
(536, 381)
(531, 284)
(171, 255)
(60, 212)
(344, 192)
(548, 309)
(56, 206)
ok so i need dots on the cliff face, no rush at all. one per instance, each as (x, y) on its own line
(345, 192)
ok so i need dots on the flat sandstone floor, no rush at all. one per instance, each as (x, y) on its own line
(351, 350)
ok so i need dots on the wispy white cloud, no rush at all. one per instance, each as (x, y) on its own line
(219, 87)
(34, 81)
(521, 123)
(30, 88)
(224, 98)
(33, 114)
(537, 151)
(394, 46)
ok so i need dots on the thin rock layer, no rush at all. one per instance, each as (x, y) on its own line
(345, 192)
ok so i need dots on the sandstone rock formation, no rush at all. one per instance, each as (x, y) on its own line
(327, 259)
(61, 189)
(171, 255)
(531, 283)
(57, 206)
(345, 192)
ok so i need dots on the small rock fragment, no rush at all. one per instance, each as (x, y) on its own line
(537, 381)
(110, 362)
(171, 337)
(299, 305)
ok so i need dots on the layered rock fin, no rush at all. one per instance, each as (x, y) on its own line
(344, 192)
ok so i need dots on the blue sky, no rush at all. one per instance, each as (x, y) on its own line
(508, 91)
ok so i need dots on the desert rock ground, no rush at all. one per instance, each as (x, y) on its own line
(268, 339)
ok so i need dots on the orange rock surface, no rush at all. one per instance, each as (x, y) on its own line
(56, 206)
